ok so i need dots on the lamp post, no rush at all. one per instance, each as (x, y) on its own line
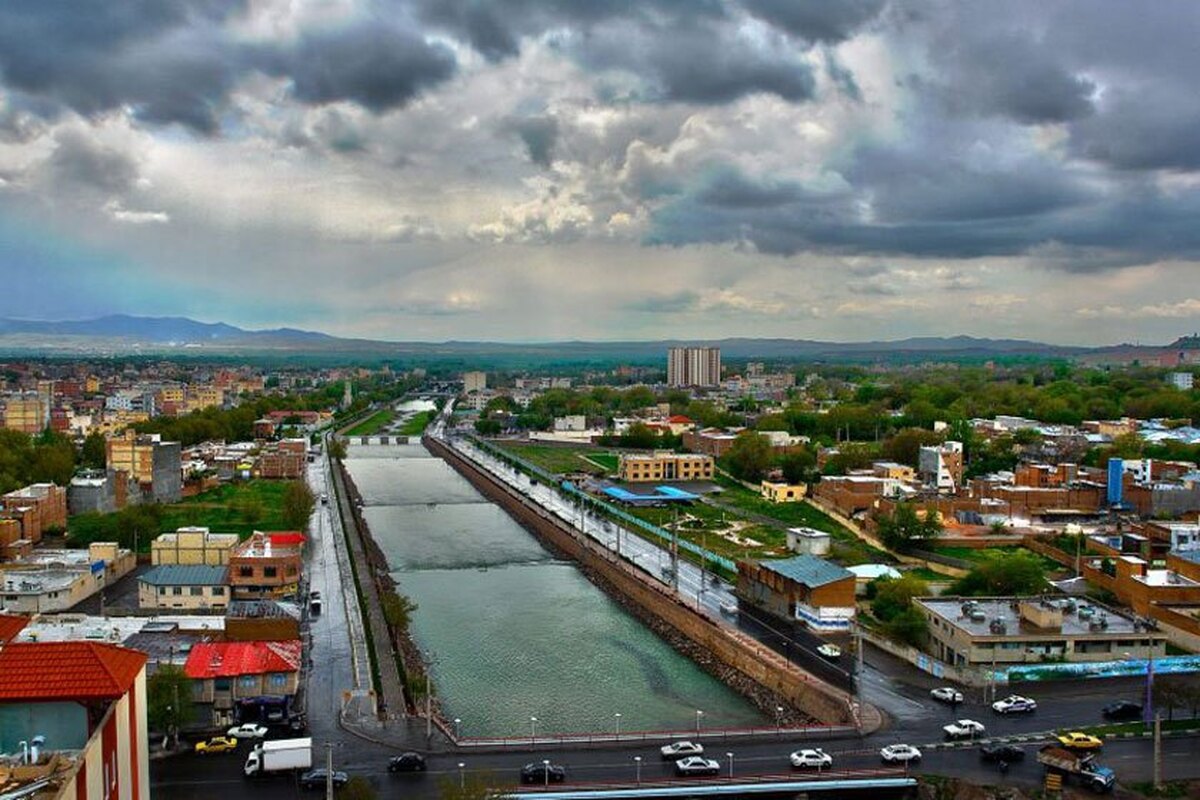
(462, 775)
(457, 728)
(730, 757)
(637, 765)
(779, 720)
(699, 714)
(532, 731)
(617, 717)
(546, 772)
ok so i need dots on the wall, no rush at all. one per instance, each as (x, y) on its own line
(745, 655)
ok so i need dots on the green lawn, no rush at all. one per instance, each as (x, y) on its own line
(557, 459)
(707, 522)
(239, 508)
(976, 555)
(417, 425)
(611, 462)
(793, 515)
(373, 424)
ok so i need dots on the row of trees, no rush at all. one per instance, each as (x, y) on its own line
(28, 459)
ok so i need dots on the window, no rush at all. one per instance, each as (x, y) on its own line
(246, 572)
(197, 591)
(270, 572)
(249, 681)
(162, 590)
(218, 591)
(176, 590)
(278, 680)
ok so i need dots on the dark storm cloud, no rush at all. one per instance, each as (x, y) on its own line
(816, 20)
(1155, 126)
(373, 64)
(539, 133)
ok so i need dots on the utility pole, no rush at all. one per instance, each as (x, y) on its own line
(329, 771)
(1158, 750)
(178, 712)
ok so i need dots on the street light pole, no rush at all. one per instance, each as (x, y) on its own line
(730, 757)
(617, 716)
(462, 776)
(637, 762)
(457, 731)
(546, 772)
(779, 720)
(533, 731)
(329, 771)
(699, 714)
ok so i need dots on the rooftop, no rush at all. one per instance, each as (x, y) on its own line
(261, 609)
(808, 570)
(230, 659)
(184, 575)
(67, 670)
(1080, 622)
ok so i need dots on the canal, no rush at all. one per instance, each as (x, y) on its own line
(515, 633)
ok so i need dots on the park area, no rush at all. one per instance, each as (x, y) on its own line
(373, 424)
(562, 459)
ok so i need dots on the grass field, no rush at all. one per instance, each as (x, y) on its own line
(977, 555)
(373, 424)
(239, 508)
(555, 458)
(417, 425)
(703, 529)
(609, 461)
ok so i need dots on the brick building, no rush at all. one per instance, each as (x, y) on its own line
(805, 588)
(264, 566)
(241, 681)
(38, 507)
(665, 465)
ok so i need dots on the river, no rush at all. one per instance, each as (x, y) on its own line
(515, 633)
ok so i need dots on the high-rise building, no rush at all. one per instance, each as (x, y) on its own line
(474, 382)
(693, 366)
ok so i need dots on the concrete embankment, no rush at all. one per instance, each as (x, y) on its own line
(745, 664)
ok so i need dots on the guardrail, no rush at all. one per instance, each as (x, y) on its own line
(888, 777)
(791, 732)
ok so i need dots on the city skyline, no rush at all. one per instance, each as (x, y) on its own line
(429, 171)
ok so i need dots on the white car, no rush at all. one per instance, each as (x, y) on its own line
(818, 759)
(899, 753)
(247, 730)
(963, 729)
(1014, 704)
(830, 651)
(681, 749)
(947, 694)
(697, 765)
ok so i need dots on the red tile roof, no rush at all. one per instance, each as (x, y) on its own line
(230, 659)
(285, 538)
(680, 419)
(11, 625)
(31, 671)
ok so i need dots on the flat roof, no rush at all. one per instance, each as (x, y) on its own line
(950, 609)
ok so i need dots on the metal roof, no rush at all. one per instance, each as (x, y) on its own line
(184, 575)
(808, 570)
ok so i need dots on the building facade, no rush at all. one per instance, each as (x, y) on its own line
(193, 546)
(807, 589)
(474, 382)
(664, 465)
(194, 588)
(694, 366)
(262, 568)
(240, 681)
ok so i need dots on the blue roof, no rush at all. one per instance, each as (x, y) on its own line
(808, 570)
(661, 494)
(184, 575)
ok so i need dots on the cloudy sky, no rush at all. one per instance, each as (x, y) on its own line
(606, 169)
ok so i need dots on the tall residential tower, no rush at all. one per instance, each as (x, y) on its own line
(693, 366)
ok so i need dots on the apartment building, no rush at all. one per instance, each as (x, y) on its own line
(189, 587)
(234, 680)
(39, 507)
(265, 565)
(941, 466)
(193, 546)
(28, 412)
(693, 366)
(155, 465)
(474, 382)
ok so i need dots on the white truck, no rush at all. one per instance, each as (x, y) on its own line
(279, 755)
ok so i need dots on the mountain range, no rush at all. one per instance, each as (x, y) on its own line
(125, 334)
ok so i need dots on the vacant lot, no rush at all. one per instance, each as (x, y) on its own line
(373, 424)
(417, 425)
(556, 458)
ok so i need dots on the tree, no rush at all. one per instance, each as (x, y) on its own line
(749, 457)
(337, 448)
(909, 626)
(903, 529)
(397, 609)
(799, 466)
(168, 699)
(487, 427)
(93, 454)
(638, 435)
(905, 446)
(894, 596)
(1017, 573)
(298, 505)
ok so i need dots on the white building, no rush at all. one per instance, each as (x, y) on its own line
(1183, 381)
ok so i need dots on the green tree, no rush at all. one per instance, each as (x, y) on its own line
(895, 595)
(640, 436)
(799, 466)
(337, 448)
(749, 457)
(904, 529)
(168, 699)
(298, 504)
(397, 609)
(487, 427)
(905, 446)
(93, 454)
(1019, 572)
(909, 626)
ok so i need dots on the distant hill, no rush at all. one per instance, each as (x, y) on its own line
(121, 333)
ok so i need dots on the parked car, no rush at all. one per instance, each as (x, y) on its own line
(1078, 740)
(697, 765)
(947, 694)
(1014, 704)
(1001, 752)
(1122, 709)
(816, 758)
(324, 499)
(247, 730)
(679, 750)
(899, 753)
(963, 729)
(537, 772)
(407, 762)
(830, 651)
(217, 744)
(316, 779)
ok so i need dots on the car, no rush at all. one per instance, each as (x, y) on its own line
(947, 694)
(1001, 752)
(317, 778)
(1014, 704)
(899, 753)
(681, 749)
(830, 651)
(697, 765)
(217, 744)
(315, 594)
(247, 730)
(407, 762)
(1122, 709)
(963, 729)
(817, 758)
(324, 499)
(537, 772)
(1078, 740)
